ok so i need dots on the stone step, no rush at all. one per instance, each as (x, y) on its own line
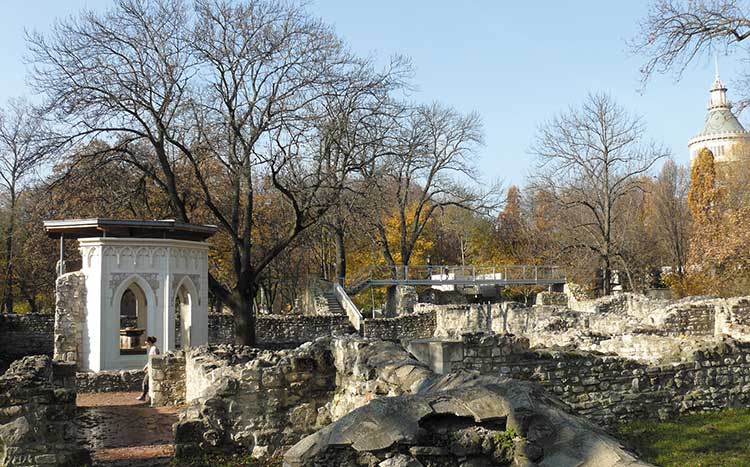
(333, 304)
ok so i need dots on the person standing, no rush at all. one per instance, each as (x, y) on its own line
(152, 350)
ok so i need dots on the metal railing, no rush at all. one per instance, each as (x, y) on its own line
(355, 317)
(457, 275)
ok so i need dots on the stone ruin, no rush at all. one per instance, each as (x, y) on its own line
(453, 385)
(500, 384)
(350, 401)
(37, 404)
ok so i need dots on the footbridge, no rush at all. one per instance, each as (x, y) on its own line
(451, 277)
(446, 278)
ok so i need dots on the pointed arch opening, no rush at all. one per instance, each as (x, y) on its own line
(133, 320)
(184, 304)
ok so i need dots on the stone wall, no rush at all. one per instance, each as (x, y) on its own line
(462, 420)
(280, 330)
(551, 298)
(612, 318)
(266, 401)
(367, 369)
(406, 298)
(167, 379)
(739, 311)
(454, 320)
(60, 334)
(28, 334)
(37, 409)
(607, 389)
(70, 313)
(690, 319)
(293, 330)
(259, 400)
(109, 381)
(220, 328)
(417, 325)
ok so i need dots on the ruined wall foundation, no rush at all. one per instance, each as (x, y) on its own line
(293, 330)
(70, 314)
(416, 325)
(37, 406)
(606, 389)
(258, 400)
(109, 381)
(22, 335)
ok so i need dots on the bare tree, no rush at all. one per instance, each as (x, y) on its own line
(426, 169)
(359, 122)
(427, 165)
(589, 160)
(231, 96)
(676, 32)
(25, 144)
(672, 213)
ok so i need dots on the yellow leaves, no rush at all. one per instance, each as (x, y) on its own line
(362, 257)
(694, 283)
(393, 228)
(703, 194)
(719, 259)
(702, 200)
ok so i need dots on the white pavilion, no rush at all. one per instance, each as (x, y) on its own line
(142, 278)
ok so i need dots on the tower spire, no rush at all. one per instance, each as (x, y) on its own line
(716, 58)
(718, 90)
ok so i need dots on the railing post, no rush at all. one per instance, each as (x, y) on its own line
(406, 272)
(536, 274)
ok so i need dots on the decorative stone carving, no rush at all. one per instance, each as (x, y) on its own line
(195, 278)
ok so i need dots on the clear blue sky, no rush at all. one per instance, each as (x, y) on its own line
(515, 63)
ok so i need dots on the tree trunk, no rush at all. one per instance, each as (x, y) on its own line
(606, 277)
(243, 309)
(340, 256)
(390, 302)
(8, 299)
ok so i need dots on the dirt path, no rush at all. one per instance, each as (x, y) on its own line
(122, 431)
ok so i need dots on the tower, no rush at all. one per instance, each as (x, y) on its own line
(722, 133)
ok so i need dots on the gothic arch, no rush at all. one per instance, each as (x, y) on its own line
(187, 293)
(142, 283)
(148, 296)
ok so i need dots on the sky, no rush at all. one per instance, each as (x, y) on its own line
(516, 64)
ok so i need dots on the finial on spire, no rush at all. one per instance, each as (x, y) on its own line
(716, 58)
(718, 91)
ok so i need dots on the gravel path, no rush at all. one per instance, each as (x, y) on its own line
(122, 431)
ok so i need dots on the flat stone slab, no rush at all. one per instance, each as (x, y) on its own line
(388, 428)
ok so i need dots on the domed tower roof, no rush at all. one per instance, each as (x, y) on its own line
(722, 133)
(720, 119)
(719, 122)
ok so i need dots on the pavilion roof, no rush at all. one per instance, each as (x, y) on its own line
(121, 228)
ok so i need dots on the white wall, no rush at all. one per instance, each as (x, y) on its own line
(158, 266)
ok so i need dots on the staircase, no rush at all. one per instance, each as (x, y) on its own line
(334, 307)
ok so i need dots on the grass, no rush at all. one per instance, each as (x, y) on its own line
(720, 439)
